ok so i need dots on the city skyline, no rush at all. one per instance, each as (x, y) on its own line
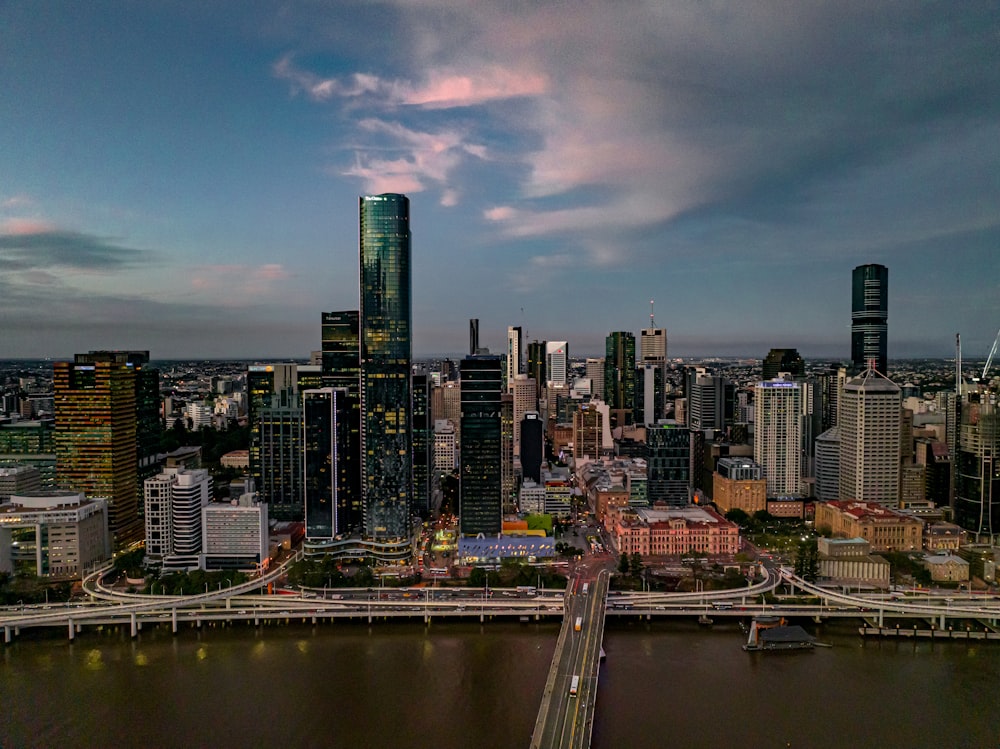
(183, 179)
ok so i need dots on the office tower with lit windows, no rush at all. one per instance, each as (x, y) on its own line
(619, 376)
(174, 499)
(341, 361)
(481, 491)
(869, 317)
(977, 463)
(423, 441)
(777, 441)
(95, 437)
(274, 415)
(668, 459)
(386, 387)
(869, 428)
(708, 395)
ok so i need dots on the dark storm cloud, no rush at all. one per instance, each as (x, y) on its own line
(65, 249)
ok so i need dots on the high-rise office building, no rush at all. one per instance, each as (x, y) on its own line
(977, 466)
(325, 472)
(780, 360)
(386, 389)
(536, 365)
(556, 362)
(588, 431)
(778, 435)
(480, 497)
(532, 446)
(473, 336)
(619, 375)
(423, 440)
(668, 456)
(95, 438)
(525, 400)
(706, 394)
(595, 373)
(341, 357)
(649, 393)
(274, 414)
(515, 356)
(869, 428)
(869, 316)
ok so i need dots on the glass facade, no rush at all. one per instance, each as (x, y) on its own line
(977, 479)
(668, 456)
(324, 471)
(619, 375)
(342, 369)
(96, 438)
(481, 492)
(386, 395)
(869, 317)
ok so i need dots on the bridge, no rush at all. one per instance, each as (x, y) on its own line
(566, 715)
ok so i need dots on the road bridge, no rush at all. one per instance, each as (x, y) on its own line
(566, 715)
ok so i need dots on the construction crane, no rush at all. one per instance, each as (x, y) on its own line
(989, 359)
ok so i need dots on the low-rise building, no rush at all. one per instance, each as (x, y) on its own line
(849, 561)
(235, 534)
(947, 568)
(940, 537)
(883, 528)
(53, 533)
(236, 459)
(672, 531)
(738, 484)
(17, 479)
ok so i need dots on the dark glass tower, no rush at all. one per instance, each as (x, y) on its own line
(386, 395)
(536, 365)
(423, 440)
(342, 369)
(782, 360)
(324, 426)
(619, 375)
(869, 316)
(480, 499)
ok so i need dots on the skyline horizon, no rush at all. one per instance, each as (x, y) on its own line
(184, 178)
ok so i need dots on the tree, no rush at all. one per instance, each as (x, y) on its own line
(623, 567)
(738, 516)
(477, 577)
(635, 564)
(807, 560)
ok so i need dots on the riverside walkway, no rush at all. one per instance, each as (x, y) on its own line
(566, 715)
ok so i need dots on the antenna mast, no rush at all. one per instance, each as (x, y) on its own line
(652, 324)
(989, 359)
(958, 365)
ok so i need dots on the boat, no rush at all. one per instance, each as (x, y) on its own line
(603, 654)
(772, 634)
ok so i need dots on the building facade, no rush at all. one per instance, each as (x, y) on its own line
(481, 490)
(869, 317)
(386, 342)
(869, 431)
(778, 435)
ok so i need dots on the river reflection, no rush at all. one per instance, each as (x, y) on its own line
(466, 686)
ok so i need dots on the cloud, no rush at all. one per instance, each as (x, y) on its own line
(27, 244)
(442, 89)
(423, 157)
(16, 201)
(237, 285)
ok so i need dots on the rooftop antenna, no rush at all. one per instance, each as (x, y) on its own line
(958, 365)
(989, 360)
(652, 324)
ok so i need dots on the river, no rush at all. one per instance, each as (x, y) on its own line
(463, 686)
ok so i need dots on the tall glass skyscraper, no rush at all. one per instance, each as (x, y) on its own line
(619, 375)
(869, 316)
(481, 497)
(386, 391)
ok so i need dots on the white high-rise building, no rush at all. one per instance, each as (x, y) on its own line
(777, 442)
(556, 362)
(515, 355)
(869, 421)
(595, 371)
(445, 446)
(173, 501)
(235, 533)
(653, 345)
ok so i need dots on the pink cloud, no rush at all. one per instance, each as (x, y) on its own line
(24, 226)
(245, 280)
(443, 90)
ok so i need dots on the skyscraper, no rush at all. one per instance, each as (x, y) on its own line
(341, 337)
(480, 498)
(869, 315)
(386, 397)
(782, 360)
(95, 440)
(777, 442)
(556, 362)
(324, 470)
(536, 365)
(515, 355)
(870, 411)
(619, 375)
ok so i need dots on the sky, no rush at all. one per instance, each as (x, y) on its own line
(184, 177)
